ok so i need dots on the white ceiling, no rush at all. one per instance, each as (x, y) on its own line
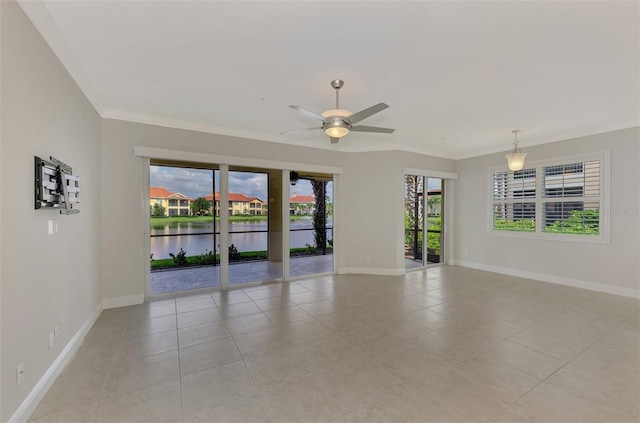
(458, 76)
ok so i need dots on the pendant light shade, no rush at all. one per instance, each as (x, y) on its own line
(515, 160)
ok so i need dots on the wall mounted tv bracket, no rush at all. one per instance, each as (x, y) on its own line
(55, 186)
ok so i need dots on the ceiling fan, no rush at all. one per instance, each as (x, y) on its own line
(337, 123)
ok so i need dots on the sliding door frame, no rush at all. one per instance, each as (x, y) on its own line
(448, 182)
(147, 154)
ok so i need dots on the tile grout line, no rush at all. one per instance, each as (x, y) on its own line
(565, 364)
(113, 362)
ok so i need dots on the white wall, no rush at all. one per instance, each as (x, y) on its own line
(370, 197)
(612, 267)
(47, 280)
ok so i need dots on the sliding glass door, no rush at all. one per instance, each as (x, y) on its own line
(423, 221)
(310, 224)
(219, 225)
(184, 234)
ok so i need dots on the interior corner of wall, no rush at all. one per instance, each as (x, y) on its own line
(122, 301)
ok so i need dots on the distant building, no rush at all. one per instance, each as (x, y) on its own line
(239, 204)
(302, 205)
(174, 203)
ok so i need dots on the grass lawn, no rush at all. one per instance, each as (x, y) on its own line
(207, 259)
(161, 221)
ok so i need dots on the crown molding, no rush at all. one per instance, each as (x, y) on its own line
(565, 136)
(211, 129)
(38, 13)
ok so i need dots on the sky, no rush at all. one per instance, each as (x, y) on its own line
(198, 182)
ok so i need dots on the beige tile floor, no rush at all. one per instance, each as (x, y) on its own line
(453, 345)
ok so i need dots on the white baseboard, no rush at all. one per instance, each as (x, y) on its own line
(576, 283)
(372, 271)
(122, 301)
(23, 413)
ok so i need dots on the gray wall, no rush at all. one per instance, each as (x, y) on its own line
(614, 265)
(46, 280)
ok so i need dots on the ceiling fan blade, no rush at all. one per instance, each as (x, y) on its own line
(308, 112)
(299, 130)
(364, 128)
(363, 114)
(334, 140)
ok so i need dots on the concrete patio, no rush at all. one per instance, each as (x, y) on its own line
(209, 276)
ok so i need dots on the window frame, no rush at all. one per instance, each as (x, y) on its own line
(603, 236)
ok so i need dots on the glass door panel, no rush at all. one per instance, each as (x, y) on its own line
(434, 206)
(414, 188)
(311, 225)
(255, 233)
(183, 233)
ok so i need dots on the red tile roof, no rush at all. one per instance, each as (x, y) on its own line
(159, 192)
(233, 196)
(302, 199)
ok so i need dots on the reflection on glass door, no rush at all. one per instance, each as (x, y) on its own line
(184, 234)
(310, 224)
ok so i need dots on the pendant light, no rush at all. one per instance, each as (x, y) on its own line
(515, 160)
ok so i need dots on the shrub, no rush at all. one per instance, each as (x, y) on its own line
(203, 259)
(233, 253)
(524, 225)
(580, 222)
(179, 259)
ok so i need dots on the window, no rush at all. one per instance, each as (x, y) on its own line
(572, 198)
(514, 201)
(555, 200)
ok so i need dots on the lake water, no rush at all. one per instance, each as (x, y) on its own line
(300, 235)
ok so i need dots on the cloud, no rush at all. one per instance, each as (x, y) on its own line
(199, 182)
(190, 182)
(250, 184)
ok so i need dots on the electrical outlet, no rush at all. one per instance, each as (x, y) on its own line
(52, 340)
(19, 374)
(55, 334)
(466, 253)
(51, 227)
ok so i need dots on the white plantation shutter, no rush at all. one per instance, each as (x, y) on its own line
(514, 205)
(572, 198)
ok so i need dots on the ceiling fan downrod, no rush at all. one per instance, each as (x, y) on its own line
(337, 84)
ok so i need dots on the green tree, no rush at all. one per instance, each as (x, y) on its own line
(320, 215)
(580, 222)
(433, 204)
(413, 219)
(329, 206)
(200, 206)
(157, 210)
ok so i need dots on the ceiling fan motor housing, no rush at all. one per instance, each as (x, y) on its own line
(336, 127)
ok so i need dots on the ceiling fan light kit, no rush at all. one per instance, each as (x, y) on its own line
(515, 160)
(338, 123)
